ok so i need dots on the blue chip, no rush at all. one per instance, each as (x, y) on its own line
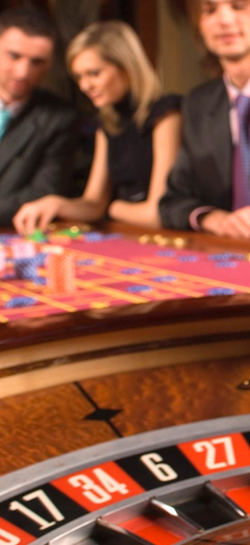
(18, 302)
(166, 253)
(166, 279)
(98, 237)
(226, 265)
(131, 271)
(112, 236)
(6, 239)
(138, 288)
(238, 257)
(86, 262)
(218, 257)
(40, 280)
(93, 237)
(188, 258)
(229, 256)
(26, 268)
(40, 259)
(221, 291)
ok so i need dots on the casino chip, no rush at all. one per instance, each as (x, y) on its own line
(226, 256)
(130, 271)
(113, 236)
(72, 232)
(188, 258)
(26, 268)
(6, 239)
(40, 259)
(40, 280)
(37, 236)
(221, 291)
(166, 253)
(61, 272)
(20, 301)
(163, 279)
(100, 237)
(86, 262)
(93, 237)
(226, 265)
(138, 288)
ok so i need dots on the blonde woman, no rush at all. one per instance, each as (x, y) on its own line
(137, 140)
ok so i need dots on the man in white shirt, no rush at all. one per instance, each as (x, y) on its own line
(202, 191)
(36, 127)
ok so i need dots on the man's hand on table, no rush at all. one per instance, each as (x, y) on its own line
(232, 224)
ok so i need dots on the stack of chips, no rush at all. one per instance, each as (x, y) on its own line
(22, 248)
(24, 257)
(60, 270)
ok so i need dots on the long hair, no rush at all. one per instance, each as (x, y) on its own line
(210, 62)
(117, 43)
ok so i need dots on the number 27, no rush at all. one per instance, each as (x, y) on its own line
(210, 448)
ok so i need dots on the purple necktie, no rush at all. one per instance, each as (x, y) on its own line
(241, 167)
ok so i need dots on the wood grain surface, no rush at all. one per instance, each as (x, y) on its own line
(53, 421)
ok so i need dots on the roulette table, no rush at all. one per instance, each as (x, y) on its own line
(141, 300)
(185, 484)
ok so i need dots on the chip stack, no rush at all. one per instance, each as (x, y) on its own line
(24, 259)
(22, 248)
(26, 268)
(61, 271)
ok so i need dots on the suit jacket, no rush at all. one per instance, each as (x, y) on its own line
(36, 153)
(202, 175)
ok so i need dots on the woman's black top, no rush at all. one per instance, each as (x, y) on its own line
(130, 154)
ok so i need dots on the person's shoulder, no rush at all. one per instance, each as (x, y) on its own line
(162, 106)
(165, 103)
(203, 92)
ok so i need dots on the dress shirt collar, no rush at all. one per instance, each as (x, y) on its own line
(234, 92)
(14, 108)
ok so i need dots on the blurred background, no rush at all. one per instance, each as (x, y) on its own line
(161, 24)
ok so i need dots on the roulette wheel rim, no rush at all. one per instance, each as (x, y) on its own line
(56, 473)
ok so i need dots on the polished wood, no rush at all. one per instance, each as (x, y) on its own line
(39, 425)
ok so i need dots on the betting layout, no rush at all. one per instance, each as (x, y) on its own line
(197, 490)
(71, 270)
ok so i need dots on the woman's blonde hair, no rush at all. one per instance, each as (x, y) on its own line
(210, 62)
(117, 43)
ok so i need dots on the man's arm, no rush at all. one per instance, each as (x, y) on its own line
(182, 195)
(53, 173)
(201, 178)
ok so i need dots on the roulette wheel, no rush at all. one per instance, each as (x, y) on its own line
(185, 484)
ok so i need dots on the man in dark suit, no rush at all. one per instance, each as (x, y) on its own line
(36, 128)
(204, 190)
